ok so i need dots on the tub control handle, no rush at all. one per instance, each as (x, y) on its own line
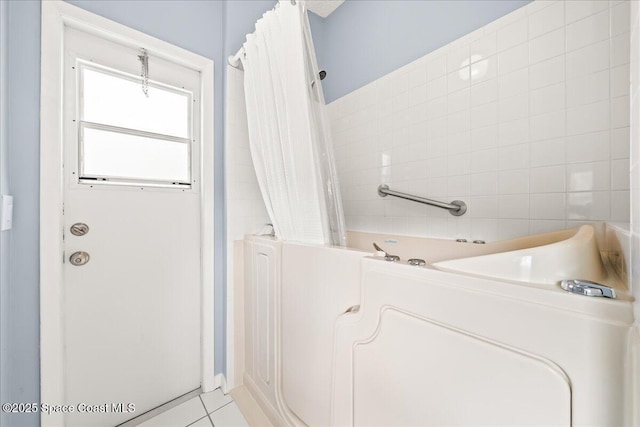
(387, 256)
(590, 289)
(353, 309)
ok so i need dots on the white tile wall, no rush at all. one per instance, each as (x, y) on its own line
(245, 209)
(525, 119)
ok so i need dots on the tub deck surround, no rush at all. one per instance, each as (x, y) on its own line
(435, 250)
(554, 297)
(546, 259)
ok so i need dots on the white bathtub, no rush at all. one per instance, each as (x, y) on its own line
(339, 337)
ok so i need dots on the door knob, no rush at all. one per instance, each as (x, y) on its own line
(79, 229)
(79, 258)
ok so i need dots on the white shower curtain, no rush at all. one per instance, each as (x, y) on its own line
(288, 130)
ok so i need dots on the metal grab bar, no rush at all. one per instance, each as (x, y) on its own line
(456, 208)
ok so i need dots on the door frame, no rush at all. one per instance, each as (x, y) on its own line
(57, 14)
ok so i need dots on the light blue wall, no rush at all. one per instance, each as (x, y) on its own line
(317, 24)
(23, 140)
(240, 20)
(365, 39)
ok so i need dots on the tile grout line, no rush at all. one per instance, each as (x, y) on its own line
(206, 410)
(159, 410)
(201, 418)
(226, 404)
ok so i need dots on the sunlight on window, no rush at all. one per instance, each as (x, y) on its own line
(109, 154)
(128, 137)
(118, 101)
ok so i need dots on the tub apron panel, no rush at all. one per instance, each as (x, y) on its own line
(318, 285)
(508, 354)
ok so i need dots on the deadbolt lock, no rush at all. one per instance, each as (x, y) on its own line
(79, 258)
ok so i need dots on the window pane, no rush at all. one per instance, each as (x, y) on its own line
(117, 101)
(112, 154)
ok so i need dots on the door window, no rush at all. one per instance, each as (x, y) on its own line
(130, 137)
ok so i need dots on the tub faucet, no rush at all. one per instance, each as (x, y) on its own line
(387, 257)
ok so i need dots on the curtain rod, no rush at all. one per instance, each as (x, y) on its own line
(234, 60)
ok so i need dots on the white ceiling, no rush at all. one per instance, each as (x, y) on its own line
(323, 7)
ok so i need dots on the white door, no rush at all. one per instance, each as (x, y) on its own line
(131, 297)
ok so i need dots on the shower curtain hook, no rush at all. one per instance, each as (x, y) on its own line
(293, 2)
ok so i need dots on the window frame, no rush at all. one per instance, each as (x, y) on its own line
(101, 51)
(83, 178)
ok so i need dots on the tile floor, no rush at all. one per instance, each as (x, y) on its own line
(207, 410)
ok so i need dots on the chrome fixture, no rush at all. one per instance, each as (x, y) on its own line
(79, 229)
(416, 261)
(268, 231)
(456, 208)
(387, 257)
(79, 258)
(322, 74)
(461, 240)
(144, 71)
(590, 289)
(479, 242)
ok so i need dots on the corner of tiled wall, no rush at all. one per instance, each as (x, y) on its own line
(246, 212)
(525, 119)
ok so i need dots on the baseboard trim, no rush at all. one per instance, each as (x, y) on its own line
(250, 408)
(266, 407)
